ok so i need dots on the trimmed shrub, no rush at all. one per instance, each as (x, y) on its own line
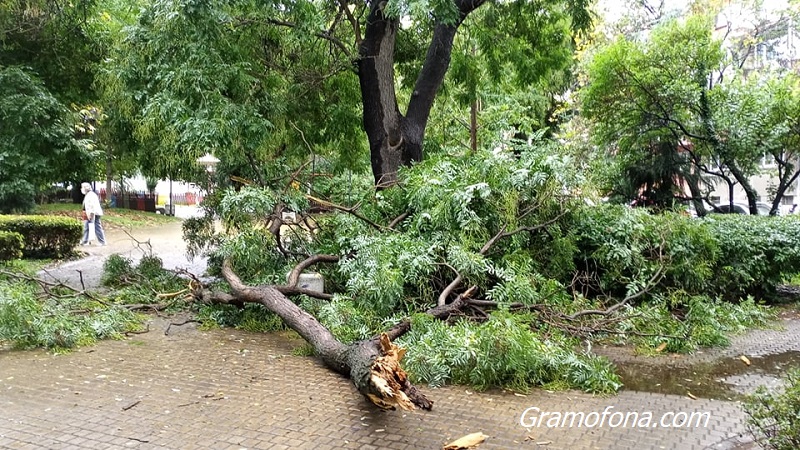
(11, 245)
(730, 256)
(44, 236)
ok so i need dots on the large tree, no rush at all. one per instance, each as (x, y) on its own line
(37, 146)
(527, 34)
(666, 89)
(276, 81)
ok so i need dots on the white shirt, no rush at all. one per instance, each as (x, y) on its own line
(91, 203)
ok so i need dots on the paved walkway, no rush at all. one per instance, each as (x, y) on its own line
(229, 389)
(165, 241)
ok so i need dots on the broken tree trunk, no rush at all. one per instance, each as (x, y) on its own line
(373, 365)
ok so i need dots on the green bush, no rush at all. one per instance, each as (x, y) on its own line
(729, 256)
(774, 417)
(756, 252)
(45, 236)
(11, 245)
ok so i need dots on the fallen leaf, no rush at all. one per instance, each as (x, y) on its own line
(468, 441)
(661, 347)
(689, 394)
(745, 359)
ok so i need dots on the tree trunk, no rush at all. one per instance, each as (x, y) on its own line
(395, 140)
(744, 181)
(109, 172)
(788, 175)
(373, 365)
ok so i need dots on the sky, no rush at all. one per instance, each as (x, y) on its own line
(614, 9)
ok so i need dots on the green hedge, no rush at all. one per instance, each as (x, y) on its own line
(45, 236)
(724, 255)
(11, 245)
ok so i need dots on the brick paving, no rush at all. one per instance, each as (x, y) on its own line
(228, 389)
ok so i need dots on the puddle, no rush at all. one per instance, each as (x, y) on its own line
(727, 379)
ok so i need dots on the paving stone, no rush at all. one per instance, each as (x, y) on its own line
(202, 390)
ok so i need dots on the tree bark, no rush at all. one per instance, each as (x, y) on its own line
(373, 365)
(395, 140)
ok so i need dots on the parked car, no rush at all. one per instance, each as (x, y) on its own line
(738, 208)
(765, 208)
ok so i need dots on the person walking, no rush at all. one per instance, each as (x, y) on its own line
(94, 214)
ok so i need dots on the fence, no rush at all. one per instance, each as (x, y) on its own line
(144, 201)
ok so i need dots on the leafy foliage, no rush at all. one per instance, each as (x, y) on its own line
(28, 319)
(142, 282)
(774, 417)
(253, 317)
(227, 77)
(686, 323)
(720, 255)
(658, 108)
(36, 143)
(11, 245)
(503, 351)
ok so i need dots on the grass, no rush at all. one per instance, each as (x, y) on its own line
(113, 218)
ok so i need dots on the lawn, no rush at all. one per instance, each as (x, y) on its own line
(113, 218)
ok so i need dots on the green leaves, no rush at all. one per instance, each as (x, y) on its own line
(36, 143)
(503, 351)
(774, 416)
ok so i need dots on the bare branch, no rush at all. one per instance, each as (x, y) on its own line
(352, 211)
(294, 275)
(652, 282)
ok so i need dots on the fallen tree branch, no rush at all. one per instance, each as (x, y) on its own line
(604, 312)
(294, 275)
(49, 286)
(349, 210)
(180, 324)
(372, 365)
(398, 219)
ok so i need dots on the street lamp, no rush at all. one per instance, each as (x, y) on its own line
(208, 161)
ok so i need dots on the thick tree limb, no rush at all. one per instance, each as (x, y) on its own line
(373, 366)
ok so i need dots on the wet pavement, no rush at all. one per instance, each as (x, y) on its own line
(230, 389)
(165, 241)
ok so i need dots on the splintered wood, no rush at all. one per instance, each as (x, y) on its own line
(388, 378)
(468, 441)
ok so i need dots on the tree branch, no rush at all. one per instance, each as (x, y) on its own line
(352, 210)
(294, 275)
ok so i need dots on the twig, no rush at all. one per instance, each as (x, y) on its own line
(172, 294)
(139, 244)
(80, 274)
(125, 408)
